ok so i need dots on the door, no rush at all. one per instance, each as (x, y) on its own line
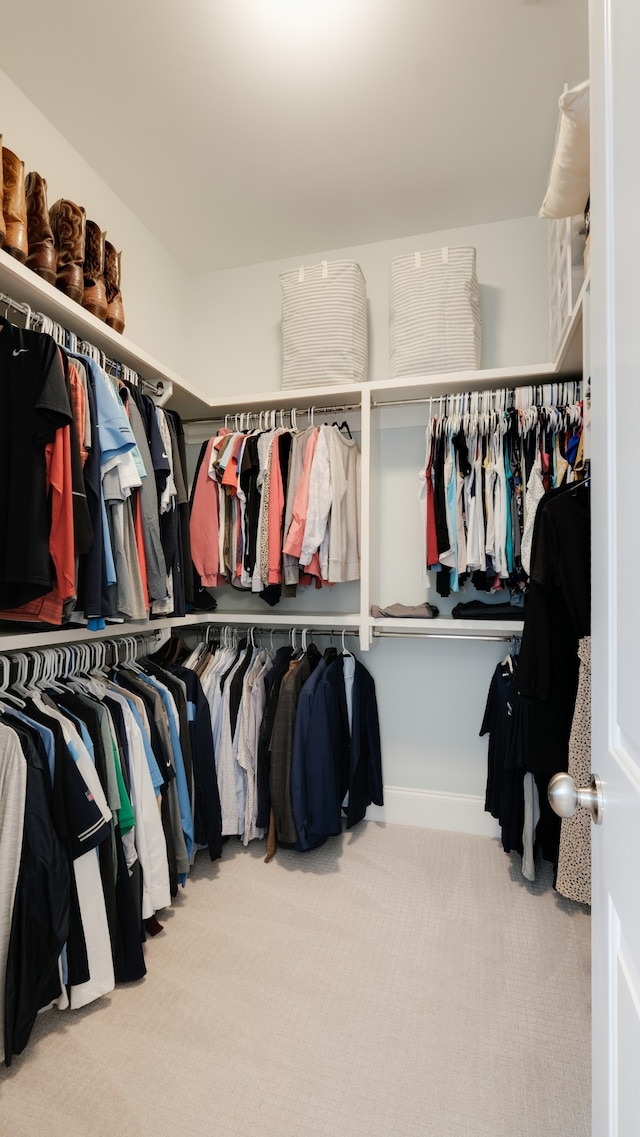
(615, 372)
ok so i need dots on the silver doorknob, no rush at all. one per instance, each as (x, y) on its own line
(565, 796)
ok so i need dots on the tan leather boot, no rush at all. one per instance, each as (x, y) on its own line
(3, 231)
(42, 250)
(68, 226)
(112, 271)
(14, 205)
(95, 293)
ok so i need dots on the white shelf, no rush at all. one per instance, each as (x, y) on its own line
(425, 386)
(192, 405)
(293, 620)
(384, 392)
(569, 359)
(318, 397)
(198, 410)
(26, 287)
(20, 640)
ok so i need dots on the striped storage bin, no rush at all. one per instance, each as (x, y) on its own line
(434, 313)
(324, 325)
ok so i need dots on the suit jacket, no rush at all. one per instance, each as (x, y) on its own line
(282, 744)
(299, 758)
(340, 761)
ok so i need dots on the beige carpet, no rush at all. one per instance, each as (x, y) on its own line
(396, 983)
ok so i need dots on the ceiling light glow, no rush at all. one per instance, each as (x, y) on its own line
(284, 31)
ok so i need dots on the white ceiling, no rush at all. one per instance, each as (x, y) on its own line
(247, 130)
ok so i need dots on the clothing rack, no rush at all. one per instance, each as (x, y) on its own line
(271, 418)
(36, 321)
(282, 630)
(503, 398)
(382, 633)
(63, 659)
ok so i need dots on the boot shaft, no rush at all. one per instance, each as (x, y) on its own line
(111, 270)
(112, 276)
(42, 253)
(68, 222)
(93, 254)
(14, 205)
(95, 294)
(68, 226)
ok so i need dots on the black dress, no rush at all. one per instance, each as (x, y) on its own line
(558, 615)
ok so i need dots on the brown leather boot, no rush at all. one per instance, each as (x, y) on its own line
(42, 250)
(68, 225)
(3, 231)
(95, 293)
(14, 204)
(112, 270)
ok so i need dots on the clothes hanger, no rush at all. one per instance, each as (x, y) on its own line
(18, 685)
(5, 682)
(345, 649)
(344, 425)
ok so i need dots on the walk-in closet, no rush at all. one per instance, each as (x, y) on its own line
(317, 344)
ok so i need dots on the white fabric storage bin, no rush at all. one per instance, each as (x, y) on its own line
(324, 325)
(434, 312)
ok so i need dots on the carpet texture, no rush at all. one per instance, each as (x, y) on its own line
(398, 982)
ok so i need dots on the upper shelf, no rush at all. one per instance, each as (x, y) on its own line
(26, 287)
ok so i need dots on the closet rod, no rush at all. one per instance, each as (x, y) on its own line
(436, 398)
(9, 302)
(156, 389)
(283, 629)
(379, 634)
(404, 402)
(320, 410)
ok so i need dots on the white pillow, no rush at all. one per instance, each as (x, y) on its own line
(568, 187)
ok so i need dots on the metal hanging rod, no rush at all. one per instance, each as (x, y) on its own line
(380, 634)
(452, 395)
(402, 402)
(108, 641)
(330, 410)
(9, 302)
(37, 321)
(283, 629)
(308, 411)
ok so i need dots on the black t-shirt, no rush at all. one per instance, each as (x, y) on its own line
(505, 721)
(34, 404)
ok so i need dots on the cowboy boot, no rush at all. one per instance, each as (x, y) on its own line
(42, 250)
(112, 270)
(14, 205)
(95, 293)
(68, 225)
(3, 231)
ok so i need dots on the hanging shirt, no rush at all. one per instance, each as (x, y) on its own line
(35, 405)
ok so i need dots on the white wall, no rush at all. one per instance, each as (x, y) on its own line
(221, 331)
(431, 693)
(153, 284)
(235, 314)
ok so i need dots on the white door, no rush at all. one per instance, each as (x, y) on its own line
(615, 371)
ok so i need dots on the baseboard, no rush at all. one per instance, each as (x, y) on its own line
(430, 809)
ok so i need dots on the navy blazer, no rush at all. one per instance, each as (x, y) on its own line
(339, 762)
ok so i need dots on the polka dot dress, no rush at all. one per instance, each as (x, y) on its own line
(574, 862)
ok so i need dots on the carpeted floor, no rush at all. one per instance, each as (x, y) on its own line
(398, 982)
